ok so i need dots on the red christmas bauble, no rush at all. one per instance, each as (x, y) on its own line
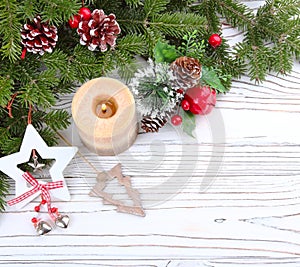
(201, 99)
(74, 21)
(215, 40)
(185, 105)
(176, 120)
(85, 13)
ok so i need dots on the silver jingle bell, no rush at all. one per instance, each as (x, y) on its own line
(43, 228)
(62, 221)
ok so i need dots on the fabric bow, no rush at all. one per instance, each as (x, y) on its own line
(44, 188)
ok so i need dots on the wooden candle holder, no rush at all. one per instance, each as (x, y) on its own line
(104, 112)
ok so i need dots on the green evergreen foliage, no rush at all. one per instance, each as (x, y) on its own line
(3, 190)
(271, 42)
(271, 35)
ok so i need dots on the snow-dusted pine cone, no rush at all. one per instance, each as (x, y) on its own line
(99, 31)
(187, 71)
(149, 124)
(38, 37)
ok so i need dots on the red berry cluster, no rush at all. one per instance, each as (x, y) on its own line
(83, 14)
(197, 100)
(37, 208)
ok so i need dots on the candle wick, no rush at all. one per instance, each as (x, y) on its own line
(103, 108)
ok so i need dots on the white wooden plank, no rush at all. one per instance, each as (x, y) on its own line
(229, 198)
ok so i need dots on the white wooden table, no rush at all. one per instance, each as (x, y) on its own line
(232, 199)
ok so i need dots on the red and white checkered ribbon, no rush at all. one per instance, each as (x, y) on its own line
(44, 188)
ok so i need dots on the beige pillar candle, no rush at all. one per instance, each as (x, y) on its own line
(103, 110)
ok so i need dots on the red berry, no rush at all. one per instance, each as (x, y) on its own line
(201, 99)
(85, 13)
(180, 91)
(34, 220)
(176, 120)
(53, 210)
(74, 21)
(43, 202)
(37, 208)
(185, 105)
(215, 40)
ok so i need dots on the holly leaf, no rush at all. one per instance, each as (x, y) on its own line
(210, 77)
(164, 52)
(188, 122)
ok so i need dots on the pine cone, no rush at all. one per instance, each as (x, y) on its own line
(98, 32)
(38, 37)
(187, 71)
(149, 124)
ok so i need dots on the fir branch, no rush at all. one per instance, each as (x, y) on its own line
(273, 22)
(38, 90)
(56, 60)
(58, 11)
(56, 119)
(133, 3)
(154, 7)
(153, 35)
(132, 25)
(11, 146)
(122, 59)
(10, 30)
(179, 5)
(259, 64)
(6, 87)
(237, 14)
(207, 8)
(116, 7)
(134, 44)
(126, 71)
(27, 9)
(84, 64)
(49, 136)
(177, 24)
(3, 190)
(281, 60)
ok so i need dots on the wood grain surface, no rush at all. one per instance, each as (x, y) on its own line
(229, 198)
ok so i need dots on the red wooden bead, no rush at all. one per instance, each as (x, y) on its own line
(43, 202)
(37, 208)
(53, 210)
(34, 220)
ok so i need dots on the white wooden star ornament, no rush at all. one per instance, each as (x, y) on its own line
(32, 140)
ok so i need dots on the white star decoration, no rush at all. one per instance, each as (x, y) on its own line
(32, 140)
